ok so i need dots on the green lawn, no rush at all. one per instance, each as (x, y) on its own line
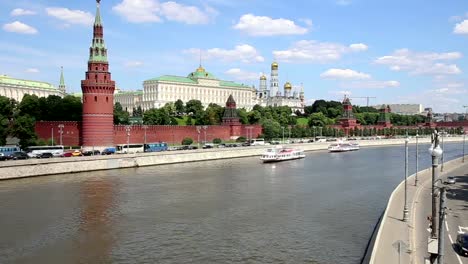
(302, 121)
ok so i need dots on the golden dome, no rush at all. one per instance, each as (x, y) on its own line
(263, 77)
(274, 65)
(287, 86)
(200, 69)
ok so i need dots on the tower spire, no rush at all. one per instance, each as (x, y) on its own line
(62, 87)
(97, 20)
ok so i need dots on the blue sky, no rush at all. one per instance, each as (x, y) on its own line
(398, 51)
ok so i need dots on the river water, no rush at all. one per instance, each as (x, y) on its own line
(321, 209)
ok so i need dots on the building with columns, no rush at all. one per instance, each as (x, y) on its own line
(16, 88)
(199, 85)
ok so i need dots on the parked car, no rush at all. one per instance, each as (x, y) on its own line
(208, 146)
(18, 156)
(77, 153)
(91, 153)
(462, 243)
(68, 153)
(450, 180)
(108, 151)
(4, 157)
(45, 155)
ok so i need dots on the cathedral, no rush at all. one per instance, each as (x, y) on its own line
(273, 97)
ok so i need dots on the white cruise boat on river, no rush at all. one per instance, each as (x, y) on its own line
(281, 154)
(343, 146)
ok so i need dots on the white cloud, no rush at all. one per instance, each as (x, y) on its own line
(358, 47)
(134, 64)
(421, 63)
(147, 11)
(314, 51)
(461, 28)
(22, 12)
(344, 74)
(185, 14)
(32, 70)
(138, 11)
(267, 26)
(18, 27)
(71, 16)
(242, 75)
(307, 21)
(371, 84)
(244, 53)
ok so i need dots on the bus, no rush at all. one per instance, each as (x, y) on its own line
(8, 150)
(34, 151)
(129, 148)
(257, 142)
(156, 147)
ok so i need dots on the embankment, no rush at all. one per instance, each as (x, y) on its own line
(36, 167)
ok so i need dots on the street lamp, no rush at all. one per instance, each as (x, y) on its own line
(145, 127)
(417, 160)
(283, 134)
(442, 157)
(198, 132)
(127, 129)
(463, 158)
(60, 126)
(435, 152)
(405, 208)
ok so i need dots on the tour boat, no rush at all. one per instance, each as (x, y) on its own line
(343, 147)
(281, 154)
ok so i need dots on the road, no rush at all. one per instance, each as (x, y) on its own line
(457, 215)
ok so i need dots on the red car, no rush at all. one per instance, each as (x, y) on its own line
(67, 154)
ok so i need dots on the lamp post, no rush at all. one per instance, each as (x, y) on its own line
(405, 207)
(127, 129)
(442, 157)
(441, 244)
(145, 127)
(204, 128)
(435, 152)
(60, 126)
(289, 136)
(283, 134)
(198, 134)
(463, 158)
(417, 161)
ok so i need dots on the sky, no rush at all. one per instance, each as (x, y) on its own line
(398, 51)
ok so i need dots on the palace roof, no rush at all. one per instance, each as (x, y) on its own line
(7, 80)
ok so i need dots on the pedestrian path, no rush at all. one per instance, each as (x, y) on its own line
(400, 242)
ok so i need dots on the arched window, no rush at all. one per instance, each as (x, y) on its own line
(107, 99)
(95, 98)
(96, 68)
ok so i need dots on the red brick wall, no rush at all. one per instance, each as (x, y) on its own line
(71, 132)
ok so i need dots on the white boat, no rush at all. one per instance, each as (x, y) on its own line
(281, 154)
(343, 146)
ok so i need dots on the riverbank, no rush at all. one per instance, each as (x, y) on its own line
(411, 235)
(41, 167)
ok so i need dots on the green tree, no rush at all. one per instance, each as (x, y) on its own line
(244, 119)
(194, 107)
(180, 107)
(159, 116)
(138, 112)
(271, 129)
(217, 141)
(23, 129)
(187, 141)
(121, 117)
(241, 139)
(318, 119)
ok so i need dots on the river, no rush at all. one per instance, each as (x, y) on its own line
(320, 209)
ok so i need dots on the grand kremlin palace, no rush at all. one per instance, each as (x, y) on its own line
(202, 85)
(17, 88)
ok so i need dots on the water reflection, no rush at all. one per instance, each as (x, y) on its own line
(99, 214)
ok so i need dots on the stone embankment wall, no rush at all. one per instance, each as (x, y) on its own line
(39, 167)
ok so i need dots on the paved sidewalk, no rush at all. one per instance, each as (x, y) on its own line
(399, 242)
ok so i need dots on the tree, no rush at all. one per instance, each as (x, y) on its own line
(121, 117)
(187, 141)
(159, 116)
(241, 139)
(271, 129)
(217, 141)
(23, 128)
(244, 119)
(318, 119)
(194, 107)
(138, 112)
(180, 107)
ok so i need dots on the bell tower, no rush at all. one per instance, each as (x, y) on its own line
(98, 93)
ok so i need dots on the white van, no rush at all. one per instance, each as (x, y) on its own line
(257, 142)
